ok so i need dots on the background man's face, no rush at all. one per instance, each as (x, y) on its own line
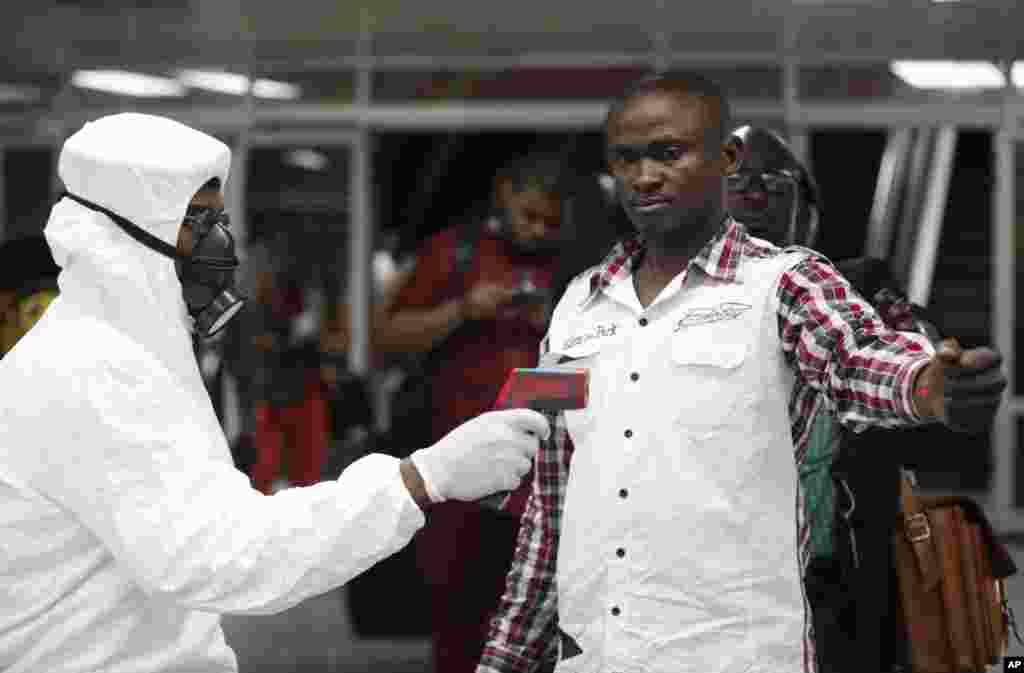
(762, 198)
(532, 215)
(667, 179)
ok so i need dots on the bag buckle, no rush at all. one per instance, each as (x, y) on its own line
(918, 529)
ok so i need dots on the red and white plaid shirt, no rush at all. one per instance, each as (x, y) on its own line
(838, 346)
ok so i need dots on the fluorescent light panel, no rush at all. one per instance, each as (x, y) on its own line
(238, 85)
(124, 83)
(309, 159)
(949, 74)
(1017, 74)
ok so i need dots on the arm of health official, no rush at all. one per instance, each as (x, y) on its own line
(873, 375)
(523, 631)
(187, 527)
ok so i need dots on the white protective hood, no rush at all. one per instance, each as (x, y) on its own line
(145, 169)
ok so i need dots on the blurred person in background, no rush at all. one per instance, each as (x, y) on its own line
(354, 400)
(592, 223)
(845, 476)
(476, 306)
(243, 358)
(664, 530)
(127, 530)
(28, 283)
(278, 340)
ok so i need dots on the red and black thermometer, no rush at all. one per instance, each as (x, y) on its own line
(543, 389)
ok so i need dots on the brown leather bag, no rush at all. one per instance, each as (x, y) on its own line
(953, 602)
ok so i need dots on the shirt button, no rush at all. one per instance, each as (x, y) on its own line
(634, 377)
(623, 493)
(620, 552)
(643, 322)
(616, 611)
(628, 433)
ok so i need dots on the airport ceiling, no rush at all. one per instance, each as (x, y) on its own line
(45, 40)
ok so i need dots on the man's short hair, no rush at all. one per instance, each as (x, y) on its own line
(542, 171)
(682, 84)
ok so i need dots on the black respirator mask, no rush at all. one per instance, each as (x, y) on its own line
(207, 275)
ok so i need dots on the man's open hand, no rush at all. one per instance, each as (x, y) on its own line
(961, 388)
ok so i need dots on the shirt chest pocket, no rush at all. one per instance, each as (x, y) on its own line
(584, 356)
(711, 373)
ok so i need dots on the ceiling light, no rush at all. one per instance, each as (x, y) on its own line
(126, 83)
(211, 80)
(949, 74)
(237, 85)
(1017, 74)
(266, 88)
(311, 160)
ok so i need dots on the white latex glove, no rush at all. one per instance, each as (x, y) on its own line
(487, 454)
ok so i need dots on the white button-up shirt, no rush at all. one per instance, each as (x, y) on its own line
(676, 526)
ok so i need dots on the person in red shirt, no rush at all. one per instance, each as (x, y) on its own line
(478, 319)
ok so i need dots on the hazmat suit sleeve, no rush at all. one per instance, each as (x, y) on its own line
(141, 472)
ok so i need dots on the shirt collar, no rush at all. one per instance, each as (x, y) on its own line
(719, 259)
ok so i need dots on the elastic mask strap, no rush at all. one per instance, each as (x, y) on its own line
(141, 235)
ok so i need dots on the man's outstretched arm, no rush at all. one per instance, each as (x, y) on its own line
(874, 375)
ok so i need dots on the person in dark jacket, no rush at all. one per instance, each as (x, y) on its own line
(851, 494)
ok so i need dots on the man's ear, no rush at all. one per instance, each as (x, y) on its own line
(732, 153)
(502, 191)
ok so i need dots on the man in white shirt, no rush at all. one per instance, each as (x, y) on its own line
(665, 529)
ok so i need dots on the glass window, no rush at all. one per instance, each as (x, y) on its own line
(845, 163)
(961, 295)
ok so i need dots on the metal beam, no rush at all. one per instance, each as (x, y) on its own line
(1004, 432)
(1003, 319)
(890, 113)
(532, 58)
(799, 140)
(926, 243)
(888, 191)
(550, 114)
(361, 224)
(236, 187)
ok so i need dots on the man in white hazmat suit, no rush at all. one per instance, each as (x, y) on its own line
(125, 530)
